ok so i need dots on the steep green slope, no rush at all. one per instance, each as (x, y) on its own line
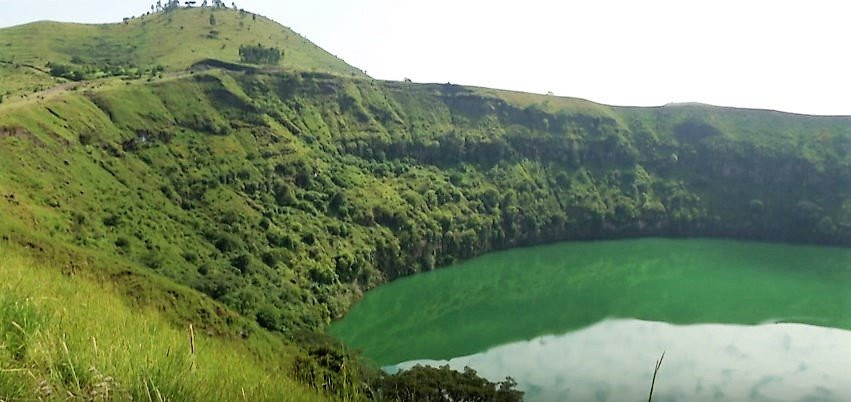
(174, 40)
(70, 337)
(286, 195)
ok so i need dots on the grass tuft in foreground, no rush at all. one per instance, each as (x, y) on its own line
(67, 337)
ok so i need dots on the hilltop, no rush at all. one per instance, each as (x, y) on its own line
(160, 42)
(259, 201)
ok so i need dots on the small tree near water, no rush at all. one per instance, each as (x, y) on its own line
(423, 383)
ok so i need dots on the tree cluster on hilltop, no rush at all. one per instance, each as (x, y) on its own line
(170, 5)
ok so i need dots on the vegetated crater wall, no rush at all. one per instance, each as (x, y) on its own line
(286, 196)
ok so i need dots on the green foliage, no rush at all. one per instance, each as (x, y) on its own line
(77, 338)
(257, 54)
(429, 384)
(90, 71)
(694, 130)
(327, 368)
(65, 71)
(286, 196)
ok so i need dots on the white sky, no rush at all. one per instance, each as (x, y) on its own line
(791, 56)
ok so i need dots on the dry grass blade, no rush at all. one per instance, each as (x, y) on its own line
(656, 371)
(71, 367)
(192, 347)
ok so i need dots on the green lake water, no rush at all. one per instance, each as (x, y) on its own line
(587, 320)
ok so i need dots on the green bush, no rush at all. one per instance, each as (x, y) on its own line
(66, 71)
(424, 383)
(257, 54)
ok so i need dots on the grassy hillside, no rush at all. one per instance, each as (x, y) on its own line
(70, 336)
(174, 40)
(19, 79)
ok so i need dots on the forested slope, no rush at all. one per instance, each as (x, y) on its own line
(286, 195)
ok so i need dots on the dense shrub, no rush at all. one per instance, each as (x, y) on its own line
(429, 384)
(257, 54)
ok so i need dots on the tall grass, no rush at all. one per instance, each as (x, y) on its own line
(67, 337)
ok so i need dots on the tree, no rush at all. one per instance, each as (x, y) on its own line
(212, 19)
(65, 71)
(423, 383)
(257, 54)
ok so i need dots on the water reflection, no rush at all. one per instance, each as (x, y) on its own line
(522, 294)
(613, 361)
